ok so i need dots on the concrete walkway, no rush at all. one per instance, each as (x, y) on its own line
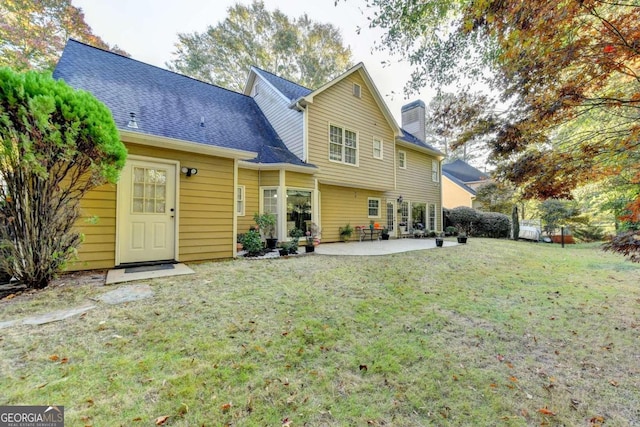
(379, 247)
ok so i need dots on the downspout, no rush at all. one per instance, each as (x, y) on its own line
(235, 210)
(441, 207)
(305, 137)
(282, 207)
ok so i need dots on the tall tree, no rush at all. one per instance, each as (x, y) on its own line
(454, 118)
(580, 72)
(56, 144)
(33, 33)
(300, 50)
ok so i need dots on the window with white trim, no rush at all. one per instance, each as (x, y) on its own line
(402, 159)
(270, 203)
(374, 207)
(432, 217)
(343, 145)
(377, 148)
(435, 169)
(240, 201)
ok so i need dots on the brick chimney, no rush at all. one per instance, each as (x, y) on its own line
(414, 119)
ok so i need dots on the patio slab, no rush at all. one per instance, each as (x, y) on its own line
(379, 247)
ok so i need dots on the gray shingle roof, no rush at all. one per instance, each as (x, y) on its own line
(464, 172)
(288, 88)
(410, 138)
(171, 105)
(457, 181)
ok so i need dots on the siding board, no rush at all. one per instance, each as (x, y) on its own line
(341, 205)
(287, 123)
(339, 107)
(205, 206)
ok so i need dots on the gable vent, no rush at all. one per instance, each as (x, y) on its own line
(357, 90)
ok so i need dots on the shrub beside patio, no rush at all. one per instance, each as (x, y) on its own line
(494, 332)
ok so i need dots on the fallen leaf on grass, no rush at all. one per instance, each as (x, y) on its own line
(613, 383)
(225, 407)
(54, 357)
(597, 420)
(363, 368)
(545, 411)
(161, 420)
(500, 357)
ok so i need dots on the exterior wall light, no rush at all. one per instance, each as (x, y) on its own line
(188, 171)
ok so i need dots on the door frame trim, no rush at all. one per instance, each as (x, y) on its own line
(176, 222)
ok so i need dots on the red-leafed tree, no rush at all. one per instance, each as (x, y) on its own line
(569, 69)
(33, 33)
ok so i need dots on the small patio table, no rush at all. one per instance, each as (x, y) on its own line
(368, 231)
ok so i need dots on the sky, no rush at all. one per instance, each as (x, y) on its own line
(147, 30)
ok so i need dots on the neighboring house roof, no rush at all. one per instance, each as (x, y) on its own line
(170, 105)
(412, 139)
(464, 172)
(458, 182)
(289, 89)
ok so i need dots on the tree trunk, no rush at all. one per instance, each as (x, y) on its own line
(515, 223)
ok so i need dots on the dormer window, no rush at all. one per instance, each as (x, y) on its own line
(357, 90)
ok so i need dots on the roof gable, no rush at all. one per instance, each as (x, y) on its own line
(464, 172)
(359, 68)
(289, 90)
(167, 104)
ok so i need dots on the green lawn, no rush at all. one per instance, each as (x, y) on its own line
(491, 333)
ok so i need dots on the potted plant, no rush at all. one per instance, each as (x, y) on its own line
(267, 224)
(295, 234)
(288, 248)
(346, 232)
(309, 245)
(440, 240)
(462, 236)
(385, 234)
(252, 243)
(239, 238)
(315, 233)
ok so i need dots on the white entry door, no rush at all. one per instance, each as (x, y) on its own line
(146, 212)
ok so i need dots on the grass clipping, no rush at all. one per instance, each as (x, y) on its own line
(491, 333)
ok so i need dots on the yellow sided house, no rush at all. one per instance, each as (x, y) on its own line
(460, 182)
(202, 160)
(368, 169)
